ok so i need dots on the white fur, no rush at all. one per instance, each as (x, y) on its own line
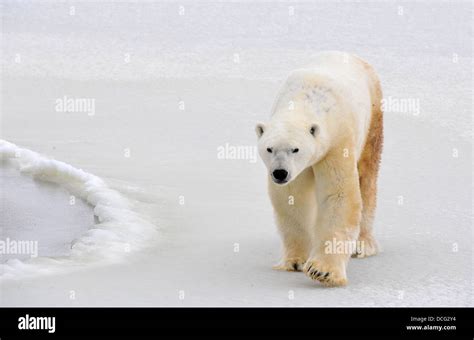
(321, 200)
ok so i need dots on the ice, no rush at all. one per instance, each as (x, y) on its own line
(34, 210)
(119, 229)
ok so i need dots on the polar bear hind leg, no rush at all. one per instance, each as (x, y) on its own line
(368, 166)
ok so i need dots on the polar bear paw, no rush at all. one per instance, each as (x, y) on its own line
(294, 264)
(368, 247)
(326, 272)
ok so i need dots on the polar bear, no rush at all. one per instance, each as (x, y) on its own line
(322, 148)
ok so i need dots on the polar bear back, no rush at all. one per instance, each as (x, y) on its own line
(338, 73)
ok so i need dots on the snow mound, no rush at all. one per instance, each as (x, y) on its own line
(119, 229)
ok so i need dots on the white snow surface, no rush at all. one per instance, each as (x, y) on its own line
(170, 89)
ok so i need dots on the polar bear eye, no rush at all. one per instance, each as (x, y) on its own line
(314, 129)
(269, 150)
(296, 150)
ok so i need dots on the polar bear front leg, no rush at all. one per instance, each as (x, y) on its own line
(295, 209)
(339, 213)
(295, 243)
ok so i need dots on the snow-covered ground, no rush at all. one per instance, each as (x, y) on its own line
(173, 82)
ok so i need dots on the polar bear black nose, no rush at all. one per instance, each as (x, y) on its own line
(280, 174)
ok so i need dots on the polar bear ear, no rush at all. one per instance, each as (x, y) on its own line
(259, 129)
(314, 129)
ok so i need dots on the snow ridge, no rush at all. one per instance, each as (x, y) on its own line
(119, 230)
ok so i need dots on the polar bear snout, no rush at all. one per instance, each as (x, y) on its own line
(280, 176)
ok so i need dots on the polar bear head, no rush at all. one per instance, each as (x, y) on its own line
(287, 148)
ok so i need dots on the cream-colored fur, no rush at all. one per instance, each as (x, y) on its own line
(322, 125)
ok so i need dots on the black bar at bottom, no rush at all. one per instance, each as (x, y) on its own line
(237, 322)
